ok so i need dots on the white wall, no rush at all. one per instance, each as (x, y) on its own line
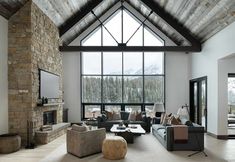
(3, 75)
(225, 66)
(177, 81)
(71, 85)
(205, 63)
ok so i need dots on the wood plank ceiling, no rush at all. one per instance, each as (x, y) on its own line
(9, 7)
(203, 18)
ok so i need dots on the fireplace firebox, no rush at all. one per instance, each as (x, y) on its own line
(49, 117)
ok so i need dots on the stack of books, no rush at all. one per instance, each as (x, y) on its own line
(121, 127)
(46, 128)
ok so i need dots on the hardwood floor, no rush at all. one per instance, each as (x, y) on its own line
(145, 148)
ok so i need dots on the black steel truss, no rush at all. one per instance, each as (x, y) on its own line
(156, 8)
(78, 16)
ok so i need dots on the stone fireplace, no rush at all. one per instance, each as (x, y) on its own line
(33, 44)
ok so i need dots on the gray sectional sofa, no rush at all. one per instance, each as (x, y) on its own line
(165, 135)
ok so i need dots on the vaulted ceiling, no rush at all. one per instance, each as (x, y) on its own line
(200, 19)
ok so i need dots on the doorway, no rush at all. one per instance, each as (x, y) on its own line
(198, 101)
(231, 105)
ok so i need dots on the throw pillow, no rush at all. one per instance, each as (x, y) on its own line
(116, 116)
(189, 123)
(124, 115)
(138, 116)
(165, 120)
(162, 117)
(174, 121)
(109, 115)
(78, 128)
(104, 117)
(178, 119)
(186, 122)
(132, 116)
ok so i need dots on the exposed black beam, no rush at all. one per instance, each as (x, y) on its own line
(129, 49)
(78, 16)
(169, 19)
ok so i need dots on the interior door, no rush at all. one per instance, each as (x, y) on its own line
(198, 101)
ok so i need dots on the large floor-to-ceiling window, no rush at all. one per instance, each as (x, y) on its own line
(121, 81)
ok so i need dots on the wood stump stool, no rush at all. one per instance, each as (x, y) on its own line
(9, 143)
(114, 148)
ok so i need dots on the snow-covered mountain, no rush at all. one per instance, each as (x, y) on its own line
(152, 69)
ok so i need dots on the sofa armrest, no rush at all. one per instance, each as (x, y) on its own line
(195, 138)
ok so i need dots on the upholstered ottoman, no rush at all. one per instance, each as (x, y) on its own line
(9, 143)
(114, 148)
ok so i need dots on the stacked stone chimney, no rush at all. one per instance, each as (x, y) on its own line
(33, 44)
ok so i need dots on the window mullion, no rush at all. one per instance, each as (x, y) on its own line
(102, 70)
(143, 91)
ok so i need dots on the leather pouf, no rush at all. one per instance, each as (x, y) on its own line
(9, 143)
(114, 148)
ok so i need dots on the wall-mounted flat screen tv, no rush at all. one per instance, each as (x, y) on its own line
(49, 85)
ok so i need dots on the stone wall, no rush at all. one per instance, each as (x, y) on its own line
(33, 44)
(46, 56)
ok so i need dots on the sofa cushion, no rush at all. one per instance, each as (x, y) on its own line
(157, 126)
(160, 129)
(124, 115)
(162, 133)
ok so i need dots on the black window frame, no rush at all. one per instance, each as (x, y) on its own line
(122, 104)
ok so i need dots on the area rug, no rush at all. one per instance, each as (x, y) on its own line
(146, 148)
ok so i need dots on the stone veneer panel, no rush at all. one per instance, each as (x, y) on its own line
(33, 44)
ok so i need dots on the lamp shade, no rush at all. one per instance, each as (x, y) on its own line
(183, 112)
(158, 107)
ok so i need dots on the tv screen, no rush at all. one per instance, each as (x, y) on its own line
(49, 85)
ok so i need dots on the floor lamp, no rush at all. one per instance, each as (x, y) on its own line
(183, 112)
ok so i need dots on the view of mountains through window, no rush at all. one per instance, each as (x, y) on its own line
(121, 80)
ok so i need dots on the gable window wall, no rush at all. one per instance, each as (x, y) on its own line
(121, 81)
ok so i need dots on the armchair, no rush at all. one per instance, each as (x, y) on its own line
(86, 142)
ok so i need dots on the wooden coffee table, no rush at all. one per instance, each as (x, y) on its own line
(129, 132)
